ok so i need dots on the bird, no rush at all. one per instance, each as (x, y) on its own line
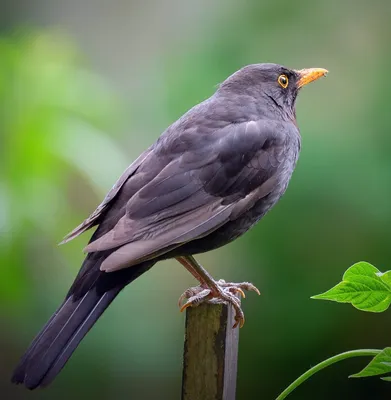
(207, 179)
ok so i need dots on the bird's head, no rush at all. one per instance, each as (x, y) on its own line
(273, 86)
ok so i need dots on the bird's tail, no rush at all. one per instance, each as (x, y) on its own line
(88, 298)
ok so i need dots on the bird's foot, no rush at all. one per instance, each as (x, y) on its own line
(221, 292)
(238, 287)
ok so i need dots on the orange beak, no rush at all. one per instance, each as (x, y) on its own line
(309, 75)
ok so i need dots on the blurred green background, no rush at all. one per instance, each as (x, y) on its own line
(85, 86)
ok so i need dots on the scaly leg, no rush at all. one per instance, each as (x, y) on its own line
(212, 291)
(234, 288)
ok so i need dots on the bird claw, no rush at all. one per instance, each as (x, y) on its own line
(225, 292)
(239, 287)
(189, 293)
(199, 296)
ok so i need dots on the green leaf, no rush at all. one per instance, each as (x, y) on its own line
(387, 379)
(364, 286)
(380, 365)
(385, 277)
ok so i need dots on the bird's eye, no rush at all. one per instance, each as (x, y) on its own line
(283, 81)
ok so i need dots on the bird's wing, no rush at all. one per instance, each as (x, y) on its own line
(94, 218)
(210, 183)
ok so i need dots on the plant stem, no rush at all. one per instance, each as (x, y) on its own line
(324, 364)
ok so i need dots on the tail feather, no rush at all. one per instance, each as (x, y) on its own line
(83, 329)
(18, 375)
(56, 342)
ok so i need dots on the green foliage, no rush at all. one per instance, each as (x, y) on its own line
(364, 286)
(367, 289)
(326, 363)
(380, 365)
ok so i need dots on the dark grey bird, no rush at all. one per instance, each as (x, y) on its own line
(208, 179)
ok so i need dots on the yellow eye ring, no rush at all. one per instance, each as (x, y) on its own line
(283, 81)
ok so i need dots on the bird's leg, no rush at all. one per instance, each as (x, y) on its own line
(212, 291)
(187, 264)
(192, 291)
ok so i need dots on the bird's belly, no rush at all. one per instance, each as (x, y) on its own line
(236, 228)
(233, 229)
(241, 225)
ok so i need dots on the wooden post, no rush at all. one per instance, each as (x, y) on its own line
(210, 353)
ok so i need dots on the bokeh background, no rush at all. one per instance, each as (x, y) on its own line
(85, 86)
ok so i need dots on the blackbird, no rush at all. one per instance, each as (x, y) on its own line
(208, 178)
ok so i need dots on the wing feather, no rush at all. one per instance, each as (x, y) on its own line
(93, 219)
(135, 252)
(195, 191)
